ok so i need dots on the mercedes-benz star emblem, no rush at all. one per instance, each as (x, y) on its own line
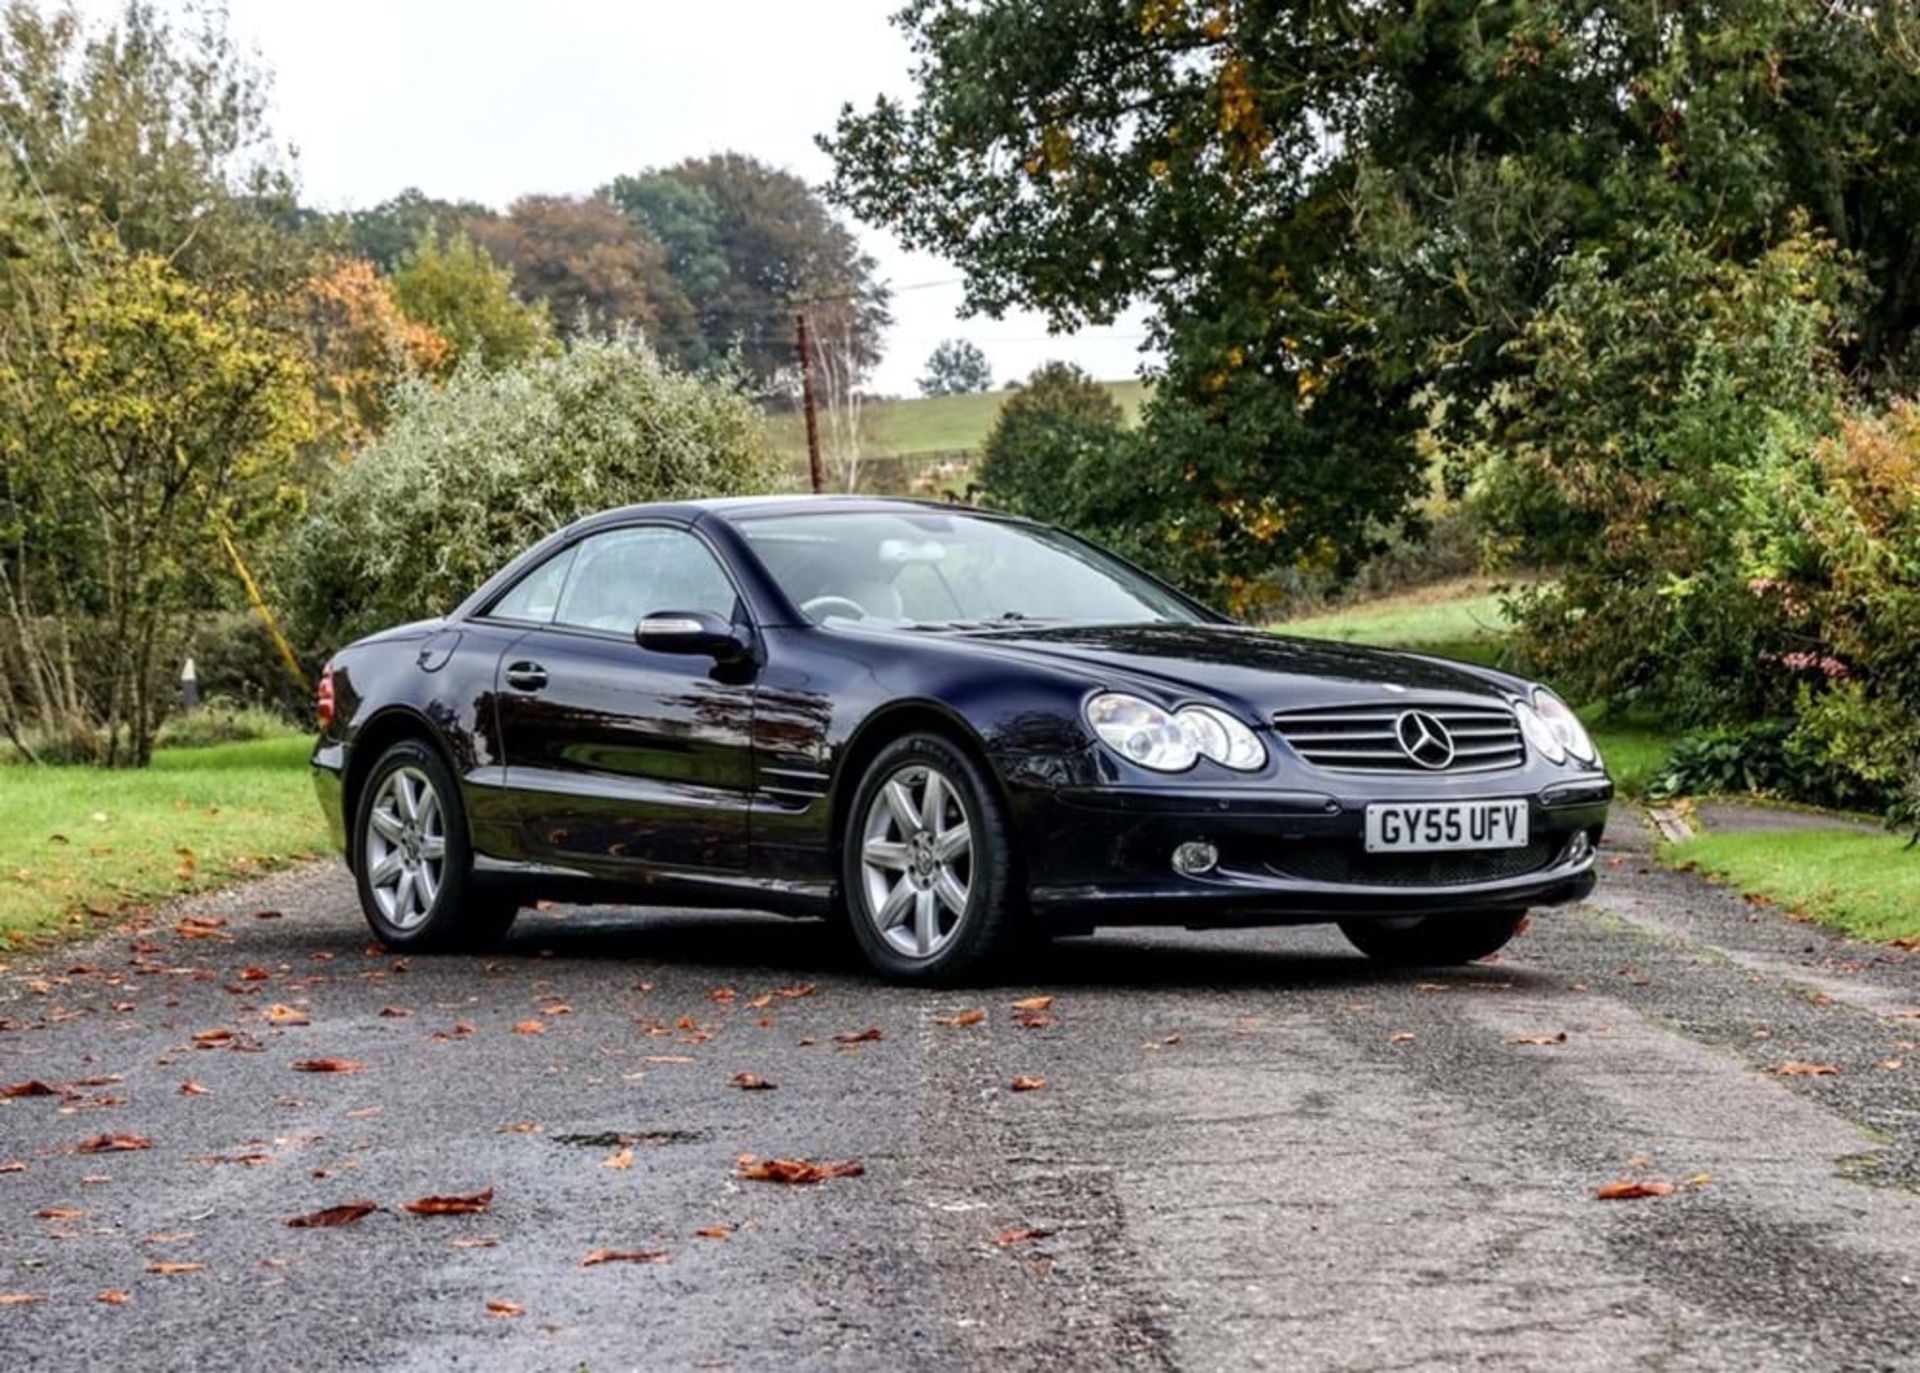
(1424, 738)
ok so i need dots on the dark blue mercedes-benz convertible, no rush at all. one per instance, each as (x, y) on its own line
(953, 730)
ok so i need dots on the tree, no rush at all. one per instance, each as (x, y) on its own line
(391, 231)
(956, 367)
(144, 419)
(750, 244)
(472, 471)
(595, 271)
(361, 345)
(1331, 208)
(155, 137)
(1046, 435)
(464, 296)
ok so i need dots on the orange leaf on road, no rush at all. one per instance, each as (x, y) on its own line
(600, 1256)
(173, 1266)
(32, 1087)
(333, 1217)
(113, 1296)
(1633, 1191)
(328, 1065)
(469, 1204)
(21, 1298)
(747, 1082)
(529, 1027)
(1559, 1037)
(795, 1171)
(497, 1307)
(114, 1144)
(714, 1232)
(1034, 1003)
(619, 1162)
(965, 1018)
(1792, 1069)
(866, 1036)
(1021, 1235)
(1028, 1083)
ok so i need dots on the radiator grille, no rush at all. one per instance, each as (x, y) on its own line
(1343, 863)
(1367, 738)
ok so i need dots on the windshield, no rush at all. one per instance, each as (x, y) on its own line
(937, 569)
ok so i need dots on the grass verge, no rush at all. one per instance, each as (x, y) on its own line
(79, 839)
(931, 424)
(1858, 881)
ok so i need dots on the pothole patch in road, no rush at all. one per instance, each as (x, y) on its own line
(626, 1139)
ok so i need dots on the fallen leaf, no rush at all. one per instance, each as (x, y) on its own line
(32, 1087)
(794, 1170)
(1021, 1235)
(619, 1162)
(1633, 1191)
(795, 993)
(20, 1298)
(13, 1166)
(1027, 1083)
(254, 974)
(1559, 1037)
(1891, 1065)
(747, 1082)
(113, 1144)
(1793, 1069)
(173, 1266)
(714, 1232)
(113, 1296)
(866, 1036)
(762, 1001)
(521, 1127)
(1400, 1037)
(194, 1089)
(600, 1256)
(328, 1065)
(472, 1203)
(394, 1012)
(213, 1037)
(1034, 1003)
(58, 1213)
(497, 1307)
(333, 1217)
(529, 1027)
(965, 1018)
(287, 1015)
(1035, 1020)
(717, 994)
(476, 1242)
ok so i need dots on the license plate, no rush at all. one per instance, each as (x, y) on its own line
(1441, 827)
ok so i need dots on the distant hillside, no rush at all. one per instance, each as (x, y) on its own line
(932, 425)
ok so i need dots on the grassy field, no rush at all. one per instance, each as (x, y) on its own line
(79, 839)
(1857, 881)
(932, 424)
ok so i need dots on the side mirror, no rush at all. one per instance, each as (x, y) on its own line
(693, 631)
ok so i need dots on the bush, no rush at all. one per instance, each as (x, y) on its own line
(1729, 758)
(470, 474)
(1045, 436)
(220, 721)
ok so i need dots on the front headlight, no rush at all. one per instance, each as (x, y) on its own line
(1540, 735)
(1173, 741)
(1566, 726)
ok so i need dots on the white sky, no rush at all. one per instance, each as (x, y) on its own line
(485, 100)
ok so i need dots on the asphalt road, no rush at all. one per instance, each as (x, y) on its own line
(1251, 1149)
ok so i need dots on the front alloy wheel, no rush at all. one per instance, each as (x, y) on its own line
(413, 863)
(406, 847)
(927, 864)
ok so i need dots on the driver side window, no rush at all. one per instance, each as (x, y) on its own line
(624, 575)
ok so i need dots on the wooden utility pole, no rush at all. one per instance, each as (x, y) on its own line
(805, 348)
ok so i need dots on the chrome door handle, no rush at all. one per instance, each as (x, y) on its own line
(526, 676)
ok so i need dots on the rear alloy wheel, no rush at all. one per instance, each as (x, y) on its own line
(926, 864)
(414, 865)
(1433, 940)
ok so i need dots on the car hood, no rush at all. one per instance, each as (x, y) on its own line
(1267, 672)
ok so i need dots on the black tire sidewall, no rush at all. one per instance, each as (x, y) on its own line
(1438, 940)
(445, 925)
(988, 929)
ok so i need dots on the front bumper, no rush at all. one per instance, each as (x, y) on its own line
(1103, 854)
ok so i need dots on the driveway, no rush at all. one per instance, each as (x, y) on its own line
(1250, 1149)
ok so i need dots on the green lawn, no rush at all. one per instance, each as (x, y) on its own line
(1857, 881)
(78, 838)
(931, 424)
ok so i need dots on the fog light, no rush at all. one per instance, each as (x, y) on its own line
(1195, 857)
(1578, 849)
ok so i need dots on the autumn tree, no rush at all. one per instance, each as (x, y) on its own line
(143, 418)
(748, 244)
(1341, 216)
(593, 268)
(360, 345)
(391, 231)
(456, 289)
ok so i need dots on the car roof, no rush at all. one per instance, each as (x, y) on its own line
(732, 508)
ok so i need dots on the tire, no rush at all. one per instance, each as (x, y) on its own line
(1434, 940)
(931, 905)
(430, 902)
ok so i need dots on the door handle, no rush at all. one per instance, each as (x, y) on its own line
(526, 676)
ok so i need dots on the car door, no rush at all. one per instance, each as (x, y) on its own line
(621, 758)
